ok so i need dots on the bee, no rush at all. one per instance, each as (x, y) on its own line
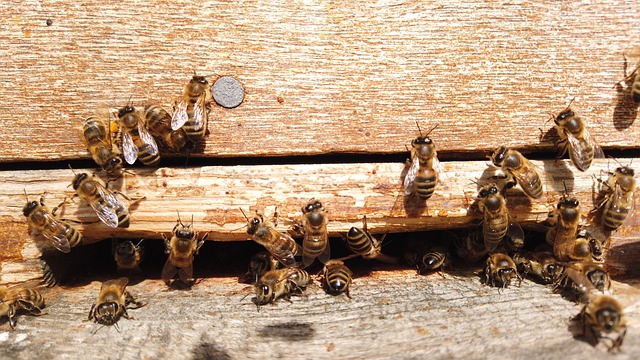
(500, 269)
(259, 264)
(563, 237)
(496, 222)
(137, 142)
(336, 278)
(280, 245)
(97, 138)
(434, 259)
(128, 255)
(425, 169)
(362, 243)
(603, 314)
(14, 299)
(192, 112)
(541, 264)
(584, 277)
(617, 198)
(633, 79)
(315, 243)
(159, 125)
(182, 247)
(575, 139)
(470, 247)
(519, 169)
(44, 222)
(113, 302)
(280, 283)
(110, 210)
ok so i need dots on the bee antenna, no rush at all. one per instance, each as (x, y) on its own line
(570, 102)
(418, 125)
(179, 221)
(25, 195)
(433, 128)
(73, 171)
(191, 219)
(566, 192)
(139, 242)
(245, 215)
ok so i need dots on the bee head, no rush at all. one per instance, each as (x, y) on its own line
(263, 294)
(311, 206)
(30, 207)
(253, 225)
(125, 111)
(570, 202)
(126, 248)
(108, 313)
(199, 79)
(608, 318)
(113, 165)
(184, 232)
(565, 114)
(625, 170)
(79, 179)
(498, 156)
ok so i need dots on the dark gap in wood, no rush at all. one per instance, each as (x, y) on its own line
(95, 262)
(337, 158)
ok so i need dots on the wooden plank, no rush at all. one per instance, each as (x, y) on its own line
(215, 195)
(320, 77)
(417, 316)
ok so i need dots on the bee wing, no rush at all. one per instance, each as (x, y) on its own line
(148, 139)
(199, 113)
(180, 116)
(576, 149)
(129, 149)
(410, 178)
(326, 253)
(529, 177)
(621, 203)
(106, 210)
(516, 236)
(442, 177)
(54, 231)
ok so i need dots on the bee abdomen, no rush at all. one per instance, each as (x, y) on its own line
(148, 156)
(494, 232)
(360, 245)
(313, 246)
(73, 235)
(337, 279)
(583, 162)
(535, 191)
(425, 186)
(613, 219)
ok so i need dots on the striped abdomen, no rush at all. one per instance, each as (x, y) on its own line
(337, 278)
(494, 229)
(147, 154)
(360, 242)
(582, 156)
(613, 215)
(425, 183)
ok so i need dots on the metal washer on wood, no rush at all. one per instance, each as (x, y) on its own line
(228, 92)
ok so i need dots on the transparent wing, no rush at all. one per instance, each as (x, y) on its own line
(198, 114)
(529, 178)
(516, 236)
(180, 116)
(106, 209)
(443, 178)
(622, 203)
(55, 232)
(129, 149)
(597, 150)
(410, 178)
(326, 253)
(148, 139)
(119, 284)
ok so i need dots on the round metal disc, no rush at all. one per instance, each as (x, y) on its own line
(228, 92)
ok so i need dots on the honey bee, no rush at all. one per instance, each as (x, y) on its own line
(425, 169)
(259, 265)
(182, 247)
(336, 278)
(128, 255)
(113, 302)
(362, 243)
(97, 138)
(603, 314)
(500, 269)
(633, 79)
(617, 198)
(15, 298)
(566, 245)
(191, 113)
(315, 243)
(470, 247)
(584, 277)
(541, 264)
(280, 245)
(519, 169)
(576, 139)
(44, 222)
(280, 283)
(434, 259)
(159, 125)
(496, 222)
(110, 210)
(136, 141)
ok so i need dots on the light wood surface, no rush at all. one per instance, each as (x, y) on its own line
(349, 78)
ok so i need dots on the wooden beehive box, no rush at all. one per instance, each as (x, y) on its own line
(333, 92)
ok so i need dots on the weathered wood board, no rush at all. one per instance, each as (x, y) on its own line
(414, 317)
(321, 76)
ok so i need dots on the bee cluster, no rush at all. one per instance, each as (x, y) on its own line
(570, 259)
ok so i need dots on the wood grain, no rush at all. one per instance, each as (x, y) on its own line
(320, 71)
(418, 316)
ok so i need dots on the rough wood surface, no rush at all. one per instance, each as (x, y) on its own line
(214, 196)
(316, 72)
(414, 317)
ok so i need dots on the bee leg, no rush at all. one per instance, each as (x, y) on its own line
(346, 292)
(201, 242)
(167, 244)
(618, 341)
(11, 314)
